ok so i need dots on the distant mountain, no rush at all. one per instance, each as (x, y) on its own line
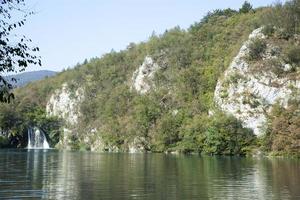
(27, 77)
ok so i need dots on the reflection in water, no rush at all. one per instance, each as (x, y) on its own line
(48, 174)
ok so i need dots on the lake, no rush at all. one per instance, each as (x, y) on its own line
(51, 174)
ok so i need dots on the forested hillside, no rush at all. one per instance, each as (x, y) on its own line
(158, 95)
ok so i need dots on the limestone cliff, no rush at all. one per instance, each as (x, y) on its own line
(65, 104)
(248, 93)
(142, 77)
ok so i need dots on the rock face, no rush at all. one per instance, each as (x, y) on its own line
(65, 104)
(65, 140)
(249, 96)
(142, 77)
(138, 145)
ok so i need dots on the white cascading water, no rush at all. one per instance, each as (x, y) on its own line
(37, 139)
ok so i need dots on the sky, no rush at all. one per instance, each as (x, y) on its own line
(69, 31)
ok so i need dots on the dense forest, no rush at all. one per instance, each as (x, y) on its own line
(179, 112)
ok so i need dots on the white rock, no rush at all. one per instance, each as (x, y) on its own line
(137, 145)
(287, 67)
(98, 145)
(142, 77)
(252, 95)
(175, 112)
(65, 104)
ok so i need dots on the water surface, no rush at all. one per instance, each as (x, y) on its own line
(52, 174)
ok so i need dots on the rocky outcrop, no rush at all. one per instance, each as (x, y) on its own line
(143, 76)
(138, 145)
(65, 140)
(65, 104)
(249, 96)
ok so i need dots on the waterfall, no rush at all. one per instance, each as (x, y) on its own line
(37, 139)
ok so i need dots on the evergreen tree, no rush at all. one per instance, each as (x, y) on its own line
(246, 7)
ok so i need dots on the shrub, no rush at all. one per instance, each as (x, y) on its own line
(268, 30)
(234, 78)
(273, 65)
(224, 94)
(256, 48)
(285, 17)
(293, 55)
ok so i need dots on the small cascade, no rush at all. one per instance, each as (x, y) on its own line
(37, 139)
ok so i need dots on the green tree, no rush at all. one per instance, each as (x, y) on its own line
(14, 56)
(283, 134)
(246, 7)
(226, 135)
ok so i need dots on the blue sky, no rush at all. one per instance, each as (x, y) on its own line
(68, 31)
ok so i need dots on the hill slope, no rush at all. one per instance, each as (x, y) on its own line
(160, 95)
